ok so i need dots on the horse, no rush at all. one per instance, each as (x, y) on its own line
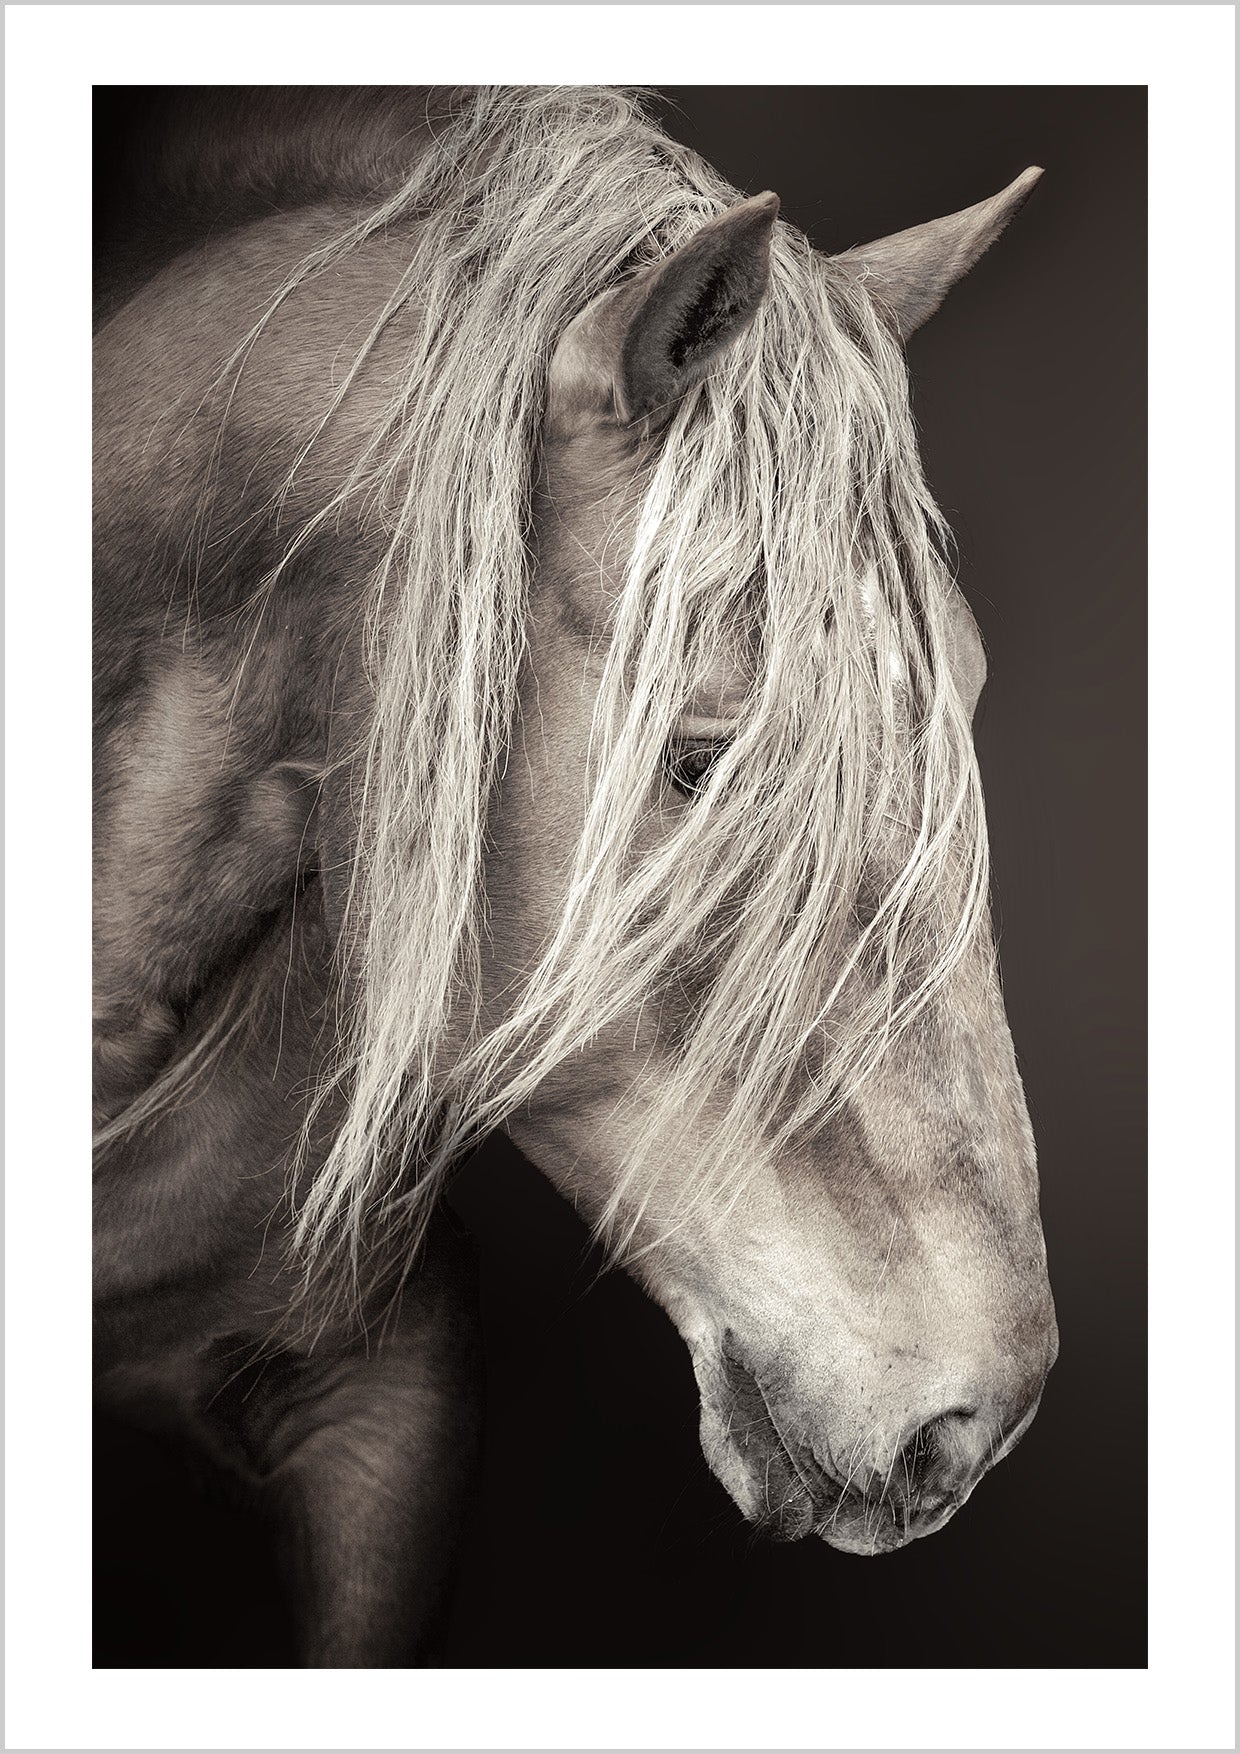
(532, 694)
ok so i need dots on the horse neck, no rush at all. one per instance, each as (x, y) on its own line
(180, 165)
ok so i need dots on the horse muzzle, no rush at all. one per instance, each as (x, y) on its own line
(870, 1499)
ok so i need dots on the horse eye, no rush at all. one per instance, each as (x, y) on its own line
(688, 765)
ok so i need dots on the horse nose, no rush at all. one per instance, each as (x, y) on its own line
(946, 1455)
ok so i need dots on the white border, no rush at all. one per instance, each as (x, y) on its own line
(1185, 54)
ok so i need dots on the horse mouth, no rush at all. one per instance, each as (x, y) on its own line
(787, 1492)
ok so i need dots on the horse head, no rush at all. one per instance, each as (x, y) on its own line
(736, 878)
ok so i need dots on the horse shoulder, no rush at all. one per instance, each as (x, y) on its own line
(184, 1202)
(196, 846)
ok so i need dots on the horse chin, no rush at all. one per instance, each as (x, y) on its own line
(871, 1529)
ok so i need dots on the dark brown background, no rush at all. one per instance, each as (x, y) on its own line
(601, 1539)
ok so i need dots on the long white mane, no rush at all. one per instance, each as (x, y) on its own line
(820, 892)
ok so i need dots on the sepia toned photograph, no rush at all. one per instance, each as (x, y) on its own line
(548, 699)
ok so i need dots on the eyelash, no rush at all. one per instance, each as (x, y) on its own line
(688, 765)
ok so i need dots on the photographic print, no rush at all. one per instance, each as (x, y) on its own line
(619, 903)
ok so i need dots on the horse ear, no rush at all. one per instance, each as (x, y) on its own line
(635, 351)
(911, 272)
(683, 313)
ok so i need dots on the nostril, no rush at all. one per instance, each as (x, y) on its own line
(942, 1458)
(916, 1459)
(961, 1413)
(927, 1454)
